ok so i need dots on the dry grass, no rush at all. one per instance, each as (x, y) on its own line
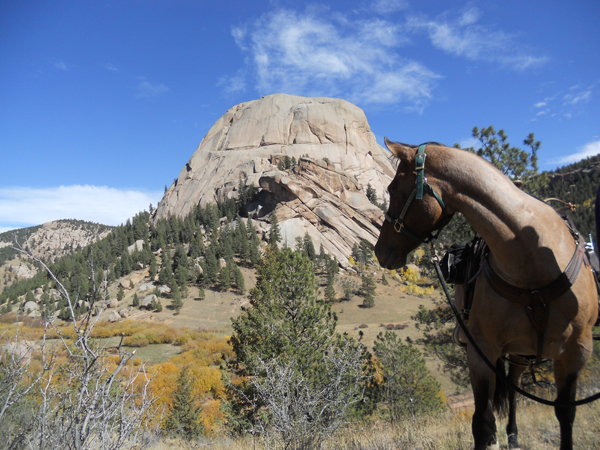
(537, 424)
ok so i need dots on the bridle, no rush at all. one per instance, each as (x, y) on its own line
(421, 185)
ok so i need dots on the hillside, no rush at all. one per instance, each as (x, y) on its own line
(48, 242)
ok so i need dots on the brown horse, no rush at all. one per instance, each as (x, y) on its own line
(530, 247)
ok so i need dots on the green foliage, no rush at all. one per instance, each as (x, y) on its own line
(368, 291)
(183, 419)
(120, 294)
(176, 301)
(286, 321)
(136, 300)
(408, 388)
(275, 233)
(514, 162)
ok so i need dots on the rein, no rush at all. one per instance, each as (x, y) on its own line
(421, 185)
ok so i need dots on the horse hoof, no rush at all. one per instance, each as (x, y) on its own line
(513, 442)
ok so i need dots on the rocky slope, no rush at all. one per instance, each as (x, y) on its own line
(48, 242)
(324, 195)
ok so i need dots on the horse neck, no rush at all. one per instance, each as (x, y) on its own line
(519, 229)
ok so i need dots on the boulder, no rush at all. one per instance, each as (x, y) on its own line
(164, 289)
(146, 286)
(114, 316)
(125, 284)
(137, 245)
(30, 307)
(125, 312)
(112, 303)
(147, 302)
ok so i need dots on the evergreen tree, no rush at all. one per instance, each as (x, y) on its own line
(238, 279)
(212, 266)
(120, 294)
(408, 388)
(372, 195)
(152, 268)
(286, 325)
(309, 247)
(368, 290)
(136, 300)
(176, 301)
(285, 308)
(184, 417)
(166, 273)
(275, 234)
(224, 278)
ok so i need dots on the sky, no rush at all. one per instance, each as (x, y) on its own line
(103, 102)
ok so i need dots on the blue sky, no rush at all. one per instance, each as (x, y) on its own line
(103, 102)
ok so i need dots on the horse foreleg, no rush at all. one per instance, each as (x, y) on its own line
(566, 384)
(514, 375)
(483, 384)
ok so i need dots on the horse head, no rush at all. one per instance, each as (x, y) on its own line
(416, 207)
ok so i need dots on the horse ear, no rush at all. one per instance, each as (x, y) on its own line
(400, 151)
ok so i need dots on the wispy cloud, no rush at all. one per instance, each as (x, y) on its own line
(148, 90)
(111, 67)
(320, 52)
(388, 6)
(20, 207)
(61, 66)
(462, 36)
(588, 150)
(309, 54)
(235, 83)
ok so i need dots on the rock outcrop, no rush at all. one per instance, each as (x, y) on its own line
(323, 195)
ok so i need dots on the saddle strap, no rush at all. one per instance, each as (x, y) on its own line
(537, 301)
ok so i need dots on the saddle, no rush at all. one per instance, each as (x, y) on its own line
(465, 262)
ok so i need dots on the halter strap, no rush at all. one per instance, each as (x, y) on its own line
(421, 185)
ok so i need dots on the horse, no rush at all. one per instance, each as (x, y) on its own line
(530, 248)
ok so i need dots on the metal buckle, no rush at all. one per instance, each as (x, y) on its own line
(398, 226)
(422, 166)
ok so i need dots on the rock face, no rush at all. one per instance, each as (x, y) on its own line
(324, 195)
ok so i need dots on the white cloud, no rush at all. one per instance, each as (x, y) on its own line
(580, 97)
(307, 54)
(463, 37)
(20, 207)
(234, 83)
(111, 67)
(147, 89)
(388, 6)
(540, 105)
(61, 65)
(588, 150)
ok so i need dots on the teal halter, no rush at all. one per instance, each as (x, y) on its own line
(421, 186)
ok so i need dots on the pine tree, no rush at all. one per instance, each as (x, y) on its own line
(372, 195)
(368, 290)
(286, 317)
(224, 278)
(166, 273)
(136, 300)
(238, 279)
(184, 417)
(120, 294)
(176, 301)
(275, 234)
(409, 388)
(309, 247)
